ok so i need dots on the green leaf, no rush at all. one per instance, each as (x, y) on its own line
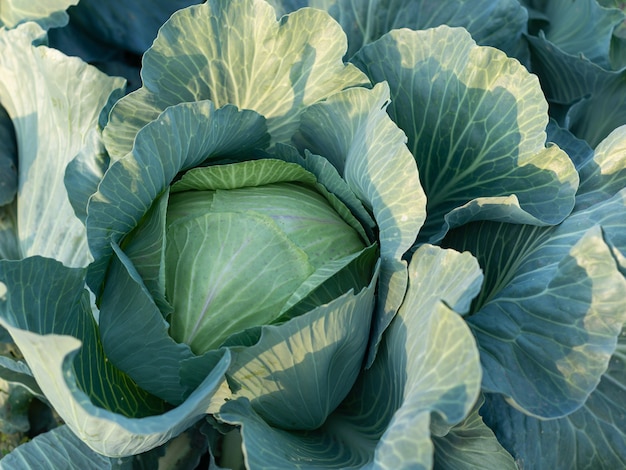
(104, 431)
(135, 334)
(59, 448)
(475, 121)
(332, 280)
(596, 116)
(328, 177)
(237, 53)
(101, 405)
(471, 444)
(245, 174)
(580, 27)
(548, 316)
(551, 307)
(592, 96)
(57, 304)
(605, 174)
(48, 14)
(145, 249)
(352, 130)
(182, 137)
(298, 372)
(591, 437)
(499, 24)
(85, 171)
(412, 389)
(240, 269)
(18, 373)
(131, 26)
(53, 101)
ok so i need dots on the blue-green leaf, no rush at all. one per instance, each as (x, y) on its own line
(580, 27)
(494, 23)
(237, 53)
(424, 380)
(135, 334)
(471, 444)
(552, 306)
(591, 437)
(475, 121)
(59, 448)
(54, 329)
(182, 137)
(298, 372)
(131, 26)
(352, 130)
(84, 172)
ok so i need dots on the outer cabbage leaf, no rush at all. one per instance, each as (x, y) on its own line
(471, 444)
(100, 404)
(499, 24)
(48, 13)
(320, 353)
(424, 380)
(591, 95)
(59, 99)
(475, 121)
(237, 53)
(573, 54)
(352, 130)
(127, 25)
(581, 28)
(59, 448)
(591, 437)
(595, 116)
(552, 305)
(183, 136)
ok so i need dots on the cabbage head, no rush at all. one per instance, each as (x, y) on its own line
(223, 262)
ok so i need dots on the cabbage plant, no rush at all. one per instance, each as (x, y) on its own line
(318, 240)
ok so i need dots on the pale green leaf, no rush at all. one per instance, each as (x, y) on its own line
(471, 444)
(352, 130)
(425, 379)
(298, 372)
(237, 53)
(475, 121)
(53, 101)
(47, 13)
(228, 271)
(183, 137)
